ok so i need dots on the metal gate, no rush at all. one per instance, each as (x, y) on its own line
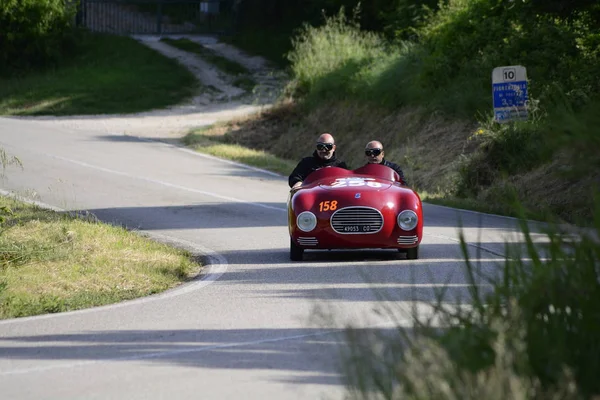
(157, 16)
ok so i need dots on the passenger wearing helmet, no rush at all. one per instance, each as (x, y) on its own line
(375, 155)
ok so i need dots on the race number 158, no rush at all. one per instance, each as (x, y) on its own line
(328, 205)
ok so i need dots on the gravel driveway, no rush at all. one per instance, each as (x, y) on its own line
(225, 103)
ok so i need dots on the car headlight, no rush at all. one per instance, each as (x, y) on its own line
(407, 220)
(306, 221)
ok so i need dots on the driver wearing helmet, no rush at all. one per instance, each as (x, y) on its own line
(323, 156)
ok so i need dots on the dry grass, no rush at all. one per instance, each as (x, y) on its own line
(551, 191)
(410, 138)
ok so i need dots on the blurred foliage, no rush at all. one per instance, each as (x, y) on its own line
(550, 288)
(266, 26)
(35, 33)
(535, 334)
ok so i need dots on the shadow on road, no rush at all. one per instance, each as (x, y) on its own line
(216, 215)
(429, 254)
(247, 214)
(312, 353)
(360, 276)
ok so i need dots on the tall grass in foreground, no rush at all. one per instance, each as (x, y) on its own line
(7, 160)
(535, 336)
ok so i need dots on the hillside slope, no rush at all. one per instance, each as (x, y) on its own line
(429, 100)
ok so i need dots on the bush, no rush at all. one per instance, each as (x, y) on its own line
(576, 132)
(504, 150)
(326, 61)
(37, 33)
(469, 38)
(510, 149)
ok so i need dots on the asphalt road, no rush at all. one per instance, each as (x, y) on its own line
(248, 328)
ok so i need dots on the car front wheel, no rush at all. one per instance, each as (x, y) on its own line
(296, 252)
(412, 253)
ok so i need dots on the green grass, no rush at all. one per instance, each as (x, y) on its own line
(53, 262)
(243, 80)
(273, 46)
(111, 74)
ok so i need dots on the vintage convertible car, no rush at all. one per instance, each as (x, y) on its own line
(368, 208)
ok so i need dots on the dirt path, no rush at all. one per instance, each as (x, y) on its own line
(224, 103)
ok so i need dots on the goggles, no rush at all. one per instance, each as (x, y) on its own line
(373, 152)
(324, 146)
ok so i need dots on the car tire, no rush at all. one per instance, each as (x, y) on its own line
(296, 252)
(412, 253)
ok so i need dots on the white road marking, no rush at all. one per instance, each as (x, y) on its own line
(167, 184)
(208, 156)
(475, 245)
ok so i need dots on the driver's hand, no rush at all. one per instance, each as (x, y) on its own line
(297, 185)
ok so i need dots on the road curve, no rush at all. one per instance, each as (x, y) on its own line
(248, 328)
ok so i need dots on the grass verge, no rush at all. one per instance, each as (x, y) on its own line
(240, 72)
(53, 262)
(205, 140)
(110, 74)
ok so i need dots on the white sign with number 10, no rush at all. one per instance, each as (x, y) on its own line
(509, 87)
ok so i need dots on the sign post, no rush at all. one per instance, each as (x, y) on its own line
(509, 87)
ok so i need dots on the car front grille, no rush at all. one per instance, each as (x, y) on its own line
(356, 220)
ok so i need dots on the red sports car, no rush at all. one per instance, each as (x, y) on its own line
(369, 208)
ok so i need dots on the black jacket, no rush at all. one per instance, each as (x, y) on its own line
(310, 164)
(396, 168)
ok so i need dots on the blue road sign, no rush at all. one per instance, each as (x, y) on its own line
(509, 87)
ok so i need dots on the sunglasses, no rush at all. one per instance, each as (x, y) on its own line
(324, 146)
(373, 152)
